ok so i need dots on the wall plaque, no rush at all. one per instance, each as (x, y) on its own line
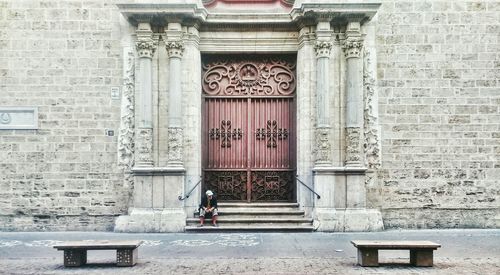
(24, 118)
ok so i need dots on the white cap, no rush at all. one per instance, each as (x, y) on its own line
(209, 193)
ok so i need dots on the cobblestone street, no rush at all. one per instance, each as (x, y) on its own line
(462, 252)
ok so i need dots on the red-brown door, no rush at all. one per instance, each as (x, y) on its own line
(249, 127)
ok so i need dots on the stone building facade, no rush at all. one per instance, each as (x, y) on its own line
(396, 109)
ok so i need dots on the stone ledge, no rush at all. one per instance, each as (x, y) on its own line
(348, 220)
(158, 170)
(339, 170)
(150, 220)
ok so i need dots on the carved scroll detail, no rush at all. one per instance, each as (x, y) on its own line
(175, 144)
(144, 154)
(323, 146)
(126, 132)
(353, 150)
(243, 77)
(372, 139)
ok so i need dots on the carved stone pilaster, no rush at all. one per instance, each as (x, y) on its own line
(323, 48)
(144, 153)
(371, 132)
(353, 146)
(175, 146)
(323, 146)
(352, 47)
(126, 132)
(175, 48)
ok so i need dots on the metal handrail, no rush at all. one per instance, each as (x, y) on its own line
(317, 195)
(190, 191)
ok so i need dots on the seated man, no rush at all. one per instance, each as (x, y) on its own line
(208, 207)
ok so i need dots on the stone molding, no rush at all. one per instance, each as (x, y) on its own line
(126, 132)
(144, 153)
(353, 146)
(175, 48)
(175, 145)
(323, 49)
(371, 131)
(301, 12)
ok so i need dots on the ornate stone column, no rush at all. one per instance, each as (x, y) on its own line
(175, 48)
(144, 137)
(354, 91)
(323, 47)
(306, 67)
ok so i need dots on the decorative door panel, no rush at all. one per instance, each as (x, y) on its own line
(226, 121)
(249, 127)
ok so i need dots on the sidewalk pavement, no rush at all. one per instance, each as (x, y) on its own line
(463, 251)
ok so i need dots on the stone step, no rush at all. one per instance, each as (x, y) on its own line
(260, 211)
(264, 217)
(224, 220)
(257, 204)
(251, 227)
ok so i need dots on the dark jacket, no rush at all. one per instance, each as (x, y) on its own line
(204, 201)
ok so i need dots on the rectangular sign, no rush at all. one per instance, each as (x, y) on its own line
(24, 118)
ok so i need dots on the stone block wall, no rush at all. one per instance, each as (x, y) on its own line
(62, 57)
(439, 92)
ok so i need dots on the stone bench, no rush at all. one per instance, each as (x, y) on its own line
(421, 252)
(75, 253)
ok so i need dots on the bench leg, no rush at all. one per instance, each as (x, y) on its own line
(126, 257)
(421, 257)
(368, 257)
(75, 257)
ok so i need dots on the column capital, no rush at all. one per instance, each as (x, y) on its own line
(352, 47)
(353, 42)
(323, 48)
(175, 48)
(145, 44)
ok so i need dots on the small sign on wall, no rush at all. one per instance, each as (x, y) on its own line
(115, 93)
(24, 118)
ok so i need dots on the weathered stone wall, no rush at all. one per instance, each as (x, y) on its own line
(439, 92)
(62, 57)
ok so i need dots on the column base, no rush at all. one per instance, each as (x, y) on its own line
(348, 220)
(148, 220)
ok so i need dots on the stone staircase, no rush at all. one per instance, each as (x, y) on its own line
(261, 217)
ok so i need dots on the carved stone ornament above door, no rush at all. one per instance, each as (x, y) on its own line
(265, 77)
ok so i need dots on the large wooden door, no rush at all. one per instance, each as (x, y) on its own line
(249, 127)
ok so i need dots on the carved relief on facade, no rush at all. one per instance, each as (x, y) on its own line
(323, 48)
(353, 146)
(175, 48)
(175, 144)
(126, 132)
(352, 47)
(323, 146)
(144, 154)
(266, 76)
(371, 134)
